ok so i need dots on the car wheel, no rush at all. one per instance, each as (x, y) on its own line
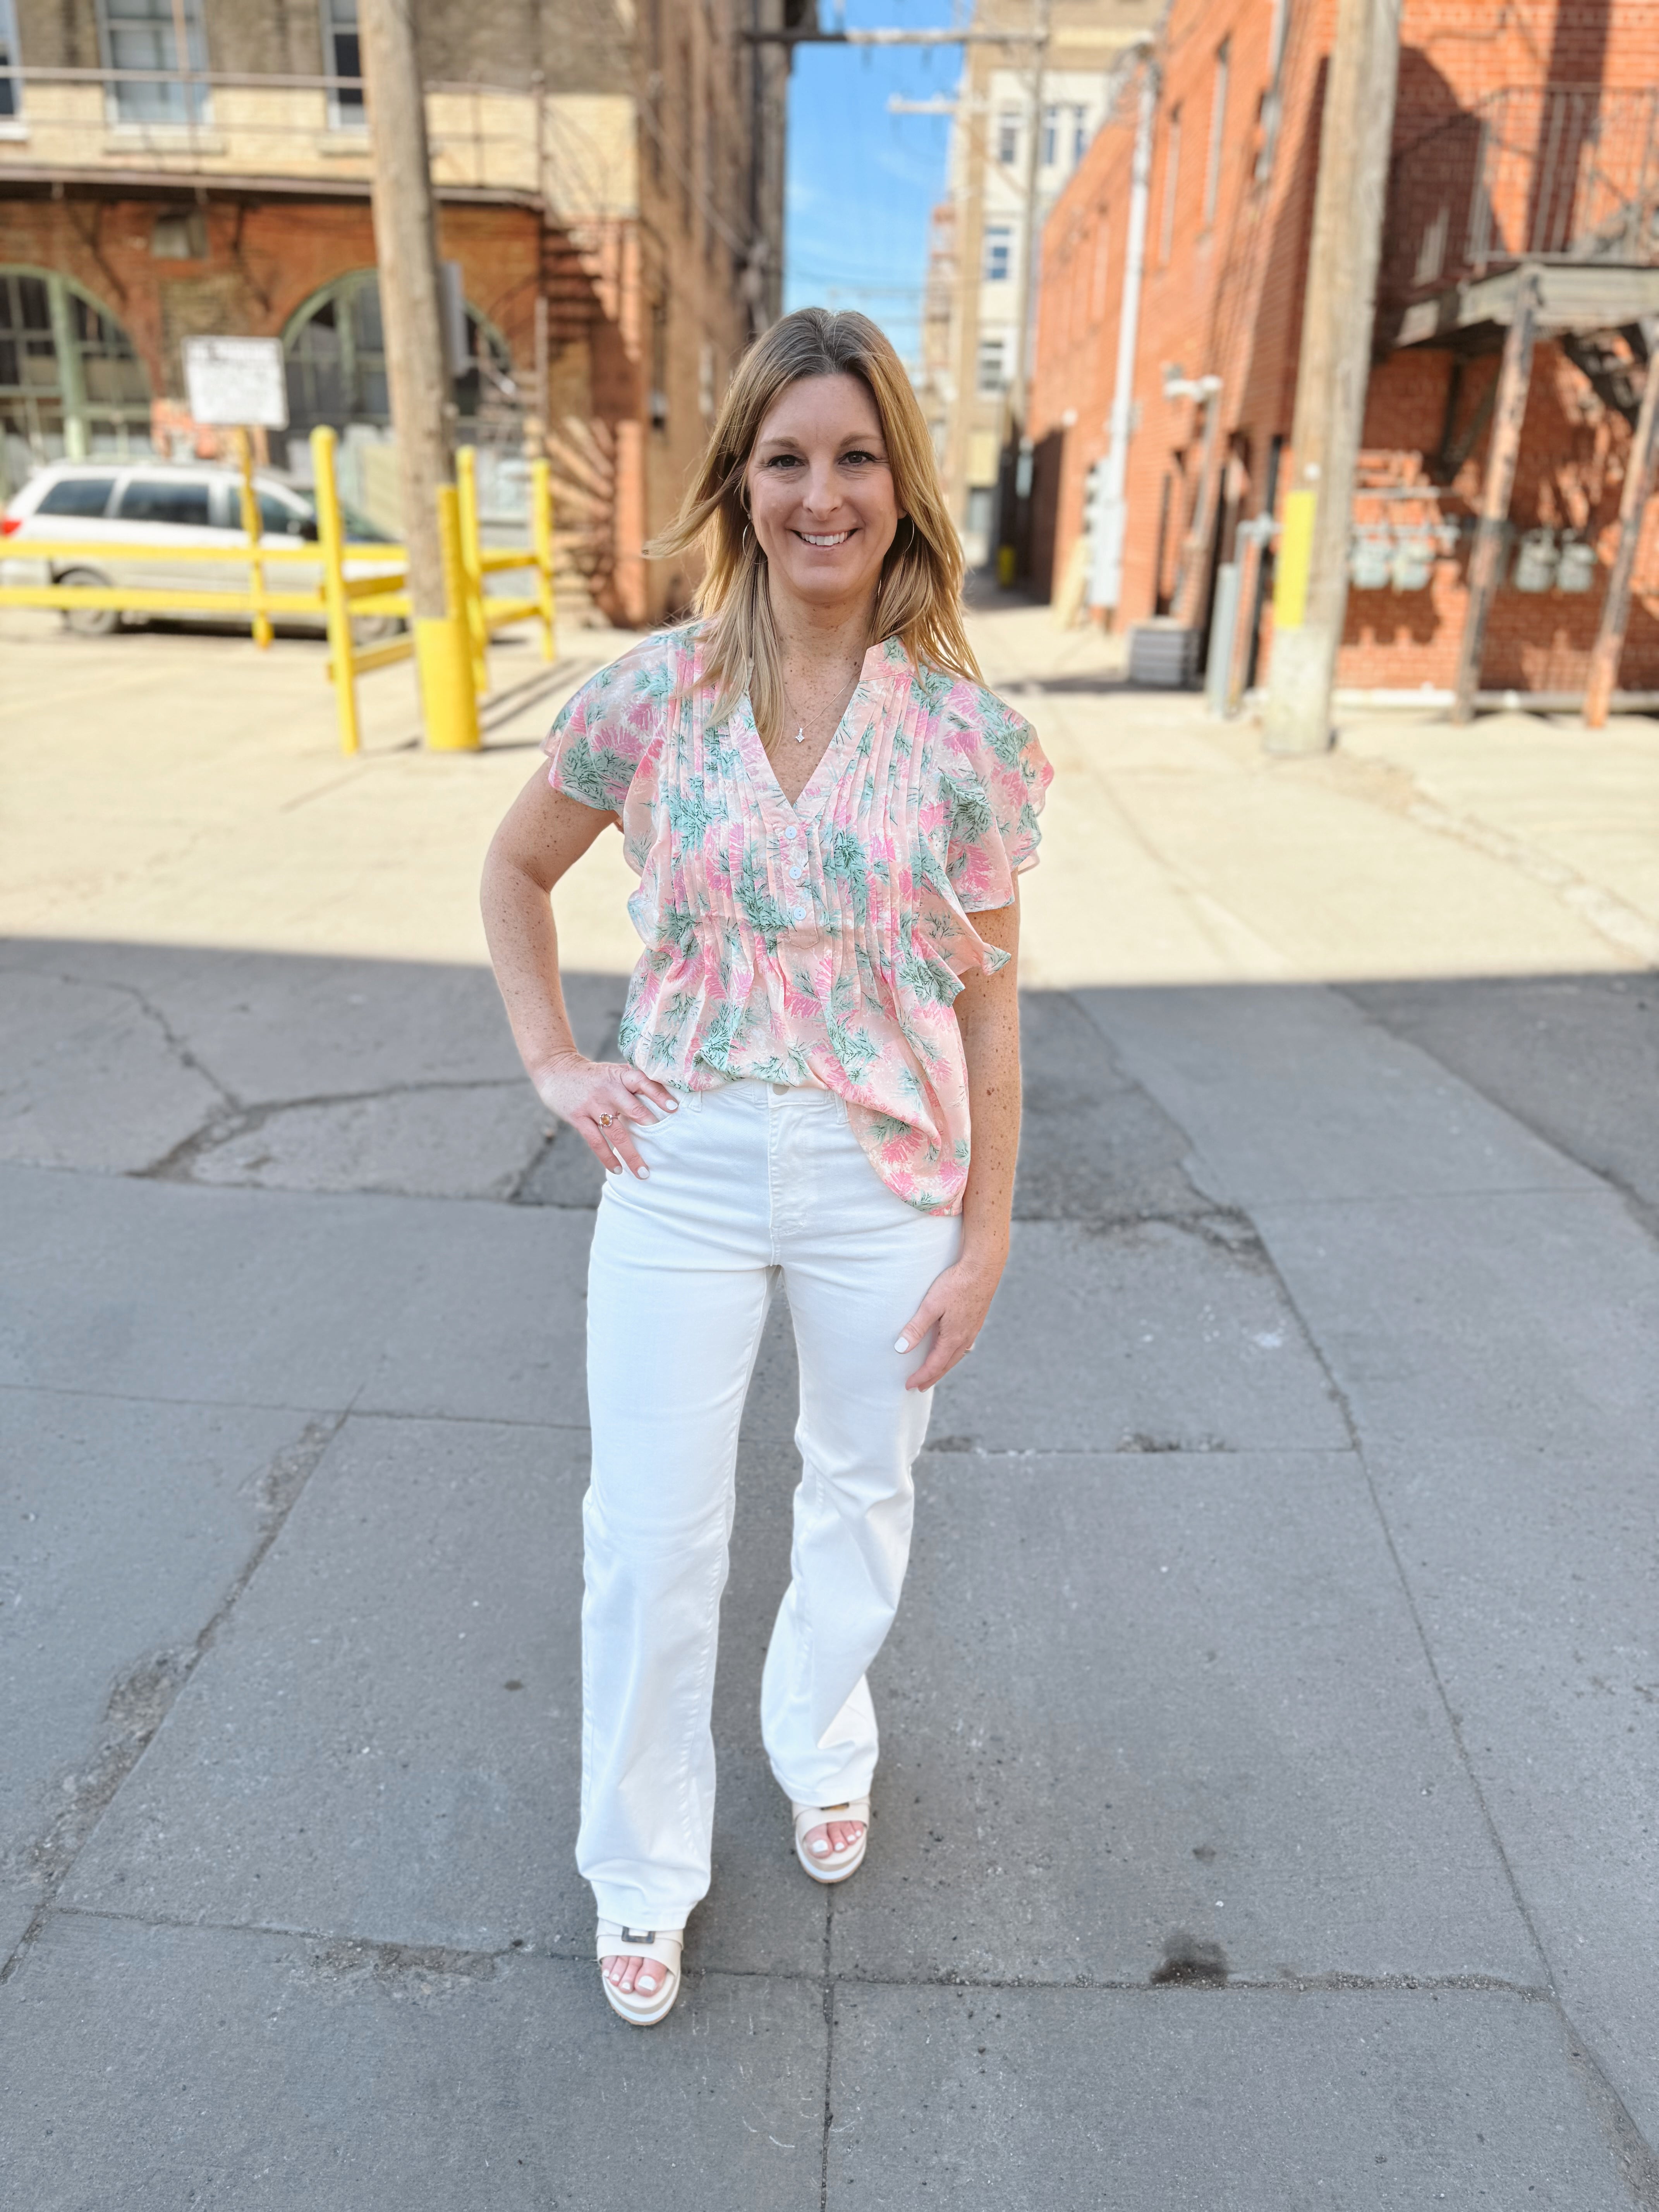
(375, 630)
(89, 621)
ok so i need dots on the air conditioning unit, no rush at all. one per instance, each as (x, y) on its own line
(1163, 655)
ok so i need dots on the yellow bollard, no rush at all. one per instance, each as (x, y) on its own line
(1295, 560)
(466, 485)
(331, 546)
(255, 530)
(443, 649)
(541, 531)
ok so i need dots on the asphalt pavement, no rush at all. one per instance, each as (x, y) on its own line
(1266, 1813)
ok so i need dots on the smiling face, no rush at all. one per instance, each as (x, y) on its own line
(820, 492)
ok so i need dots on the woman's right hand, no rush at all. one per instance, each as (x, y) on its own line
(599, 1098)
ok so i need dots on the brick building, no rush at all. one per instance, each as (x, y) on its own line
(1525, 134)
(610, 187)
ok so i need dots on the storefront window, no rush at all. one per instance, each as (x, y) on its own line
(70, 384)
(335, 347)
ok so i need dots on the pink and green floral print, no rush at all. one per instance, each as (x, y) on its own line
(821, 941)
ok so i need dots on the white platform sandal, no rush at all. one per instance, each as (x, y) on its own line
(662, 1945)
(831, 1866)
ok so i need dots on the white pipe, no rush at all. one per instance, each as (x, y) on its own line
(1106, 561)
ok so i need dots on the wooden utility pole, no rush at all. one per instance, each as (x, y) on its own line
(1632, 506)
(417, 367)
(1487, 554)
(1310, 594)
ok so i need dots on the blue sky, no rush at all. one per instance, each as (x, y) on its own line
(861, 181)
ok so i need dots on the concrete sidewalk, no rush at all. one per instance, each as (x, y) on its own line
(1266, 1811)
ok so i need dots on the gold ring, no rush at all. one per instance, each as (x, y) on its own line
(605, 1120)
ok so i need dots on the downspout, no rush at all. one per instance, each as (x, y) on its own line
(1106, 561)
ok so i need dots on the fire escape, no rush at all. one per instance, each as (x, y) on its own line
(1535, 212)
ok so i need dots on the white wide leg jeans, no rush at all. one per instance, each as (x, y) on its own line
(747, 1184)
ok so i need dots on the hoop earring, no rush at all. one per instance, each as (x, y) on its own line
(743, 544)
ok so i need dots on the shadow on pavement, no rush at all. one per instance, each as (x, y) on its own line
(1266, 1726)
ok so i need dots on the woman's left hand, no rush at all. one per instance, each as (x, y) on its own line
(955, 1307)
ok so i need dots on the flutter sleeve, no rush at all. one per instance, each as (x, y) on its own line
(1000, 776)
(603, 731)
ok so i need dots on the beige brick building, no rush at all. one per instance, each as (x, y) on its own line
(977, 292)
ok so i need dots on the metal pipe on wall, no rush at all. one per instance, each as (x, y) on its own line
(1106, 555)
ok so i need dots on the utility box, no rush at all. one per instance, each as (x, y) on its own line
(1163, 655)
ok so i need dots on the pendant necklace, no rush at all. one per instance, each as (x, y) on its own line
(800, 735)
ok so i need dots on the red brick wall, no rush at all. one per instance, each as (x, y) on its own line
(259, 271)
(256, 274)
(1227, 300)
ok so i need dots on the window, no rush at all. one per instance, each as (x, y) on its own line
(1271, 103)
(70, 384)
(165, 499)
(999, 252)
(1008, 137)
(991, 367)
(281, 518)
(343, 57)
(179, 234)
(143, 34)
(1171, 184)
(11, 83)
(335, 349)
(1218, 130)
(1079, 134)
(82, 495)
(27, 355)
(1050, 135)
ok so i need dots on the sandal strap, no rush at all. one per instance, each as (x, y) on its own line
(663, 1945)
(808, 1817)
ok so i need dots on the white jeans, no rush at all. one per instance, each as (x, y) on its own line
(747, 1182)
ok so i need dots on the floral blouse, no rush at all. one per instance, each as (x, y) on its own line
(821, 941)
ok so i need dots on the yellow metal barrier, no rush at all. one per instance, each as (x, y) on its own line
(341, 594)
(472, 551)
(448, 691)
(452, 650)
(254, 530)
(488, 612)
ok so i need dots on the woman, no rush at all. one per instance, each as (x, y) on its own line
(816, 794)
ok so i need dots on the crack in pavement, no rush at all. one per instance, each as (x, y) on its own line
(357, 1953)
(144, 1695)
(183, 1053)
(246, 1120)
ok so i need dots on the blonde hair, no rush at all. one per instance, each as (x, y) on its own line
(919, 595)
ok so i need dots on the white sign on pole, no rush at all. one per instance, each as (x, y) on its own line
(237, 382)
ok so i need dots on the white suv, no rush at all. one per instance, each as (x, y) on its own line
(163, 504)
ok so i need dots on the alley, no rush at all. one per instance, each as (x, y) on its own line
(1265, 1816)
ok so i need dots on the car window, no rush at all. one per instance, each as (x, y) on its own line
(77, 496)
(281, 516)
(360, 530)
(164, 499)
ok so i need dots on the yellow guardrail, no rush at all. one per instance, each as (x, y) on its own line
(451, 721)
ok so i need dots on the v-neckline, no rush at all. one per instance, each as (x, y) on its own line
(809, 800)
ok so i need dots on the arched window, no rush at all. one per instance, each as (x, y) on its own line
(335, 349)
(71, 383)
